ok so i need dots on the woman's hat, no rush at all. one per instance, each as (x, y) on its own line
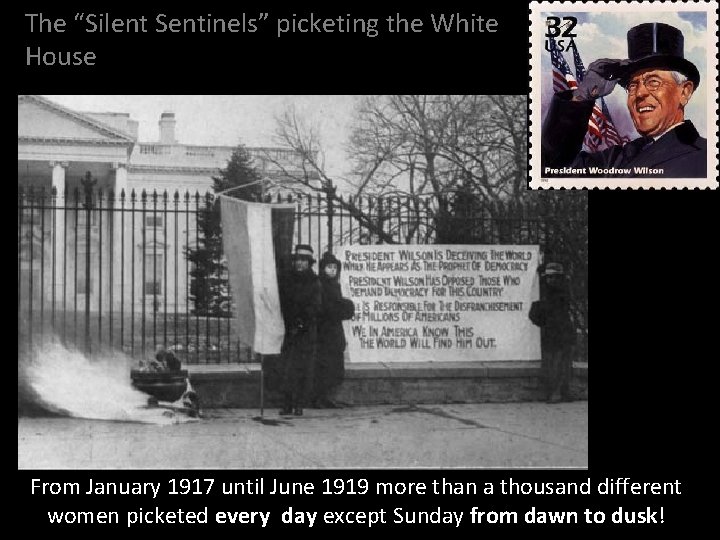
(553, 269)
(657, 45)
(328, 258)
(304, 251)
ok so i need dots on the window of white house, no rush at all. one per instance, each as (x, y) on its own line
(153, 274)
(84, 282)
(82, 215)
(29, 215)
(152, 221)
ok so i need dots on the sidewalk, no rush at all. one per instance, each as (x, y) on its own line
(371, 384)
(504, 435)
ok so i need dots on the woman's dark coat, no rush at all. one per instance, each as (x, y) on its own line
(330, 367)
(552, 315)
(300, 302)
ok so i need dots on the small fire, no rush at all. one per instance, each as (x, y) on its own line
(67, 382)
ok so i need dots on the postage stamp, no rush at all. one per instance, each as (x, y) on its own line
(623, 95)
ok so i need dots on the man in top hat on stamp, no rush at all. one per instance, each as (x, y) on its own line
(659, 82)
(300, 302)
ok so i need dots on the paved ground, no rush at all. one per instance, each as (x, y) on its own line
(439, 436)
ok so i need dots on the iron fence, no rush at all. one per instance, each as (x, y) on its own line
(100, 270)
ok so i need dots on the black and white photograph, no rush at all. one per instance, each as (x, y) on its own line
(295, 282)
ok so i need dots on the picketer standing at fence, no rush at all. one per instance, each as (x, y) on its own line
(330, 366)
(552, 314)
(300, 300)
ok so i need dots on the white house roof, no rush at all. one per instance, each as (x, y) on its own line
(41, 120)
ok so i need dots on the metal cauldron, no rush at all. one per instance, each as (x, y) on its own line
(162, 385)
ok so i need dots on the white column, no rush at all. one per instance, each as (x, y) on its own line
(58, 183)
(58, 175)
(120, 178)
(121, 184)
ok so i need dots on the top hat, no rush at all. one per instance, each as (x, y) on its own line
(657, 45)
(303, 251)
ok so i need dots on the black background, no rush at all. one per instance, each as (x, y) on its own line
(653, 279)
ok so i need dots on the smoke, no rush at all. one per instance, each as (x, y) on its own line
(63, 381)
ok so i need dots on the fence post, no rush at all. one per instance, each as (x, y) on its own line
(330, 191)
(88, 182)
(21, 209)
(59, 233)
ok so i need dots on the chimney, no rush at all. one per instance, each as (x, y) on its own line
(167, 128)
(132, 128)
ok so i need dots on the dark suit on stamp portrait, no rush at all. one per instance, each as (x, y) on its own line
(679, 153)
(659, 82)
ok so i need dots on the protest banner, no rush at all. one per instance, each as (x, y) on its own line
(441, 303)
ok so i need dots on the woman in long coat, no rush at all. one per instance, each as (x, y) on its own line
(300, 303)
(552, 314)
(330, 364)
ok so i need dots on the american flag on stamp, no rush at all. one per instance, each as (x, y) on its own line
(601, 129)
(606, 128)
(563, 78)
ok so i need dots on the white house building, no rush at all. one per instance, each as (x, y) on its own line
(135, 249)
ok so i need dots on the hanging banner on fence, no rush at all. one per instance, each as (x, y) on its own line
(248, 246)
(441, 303)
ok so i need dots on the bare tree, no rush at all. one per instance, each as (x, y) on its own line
(439, 142)
(309, 170)
(436, 147)
(425, 153)
(487, 142)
